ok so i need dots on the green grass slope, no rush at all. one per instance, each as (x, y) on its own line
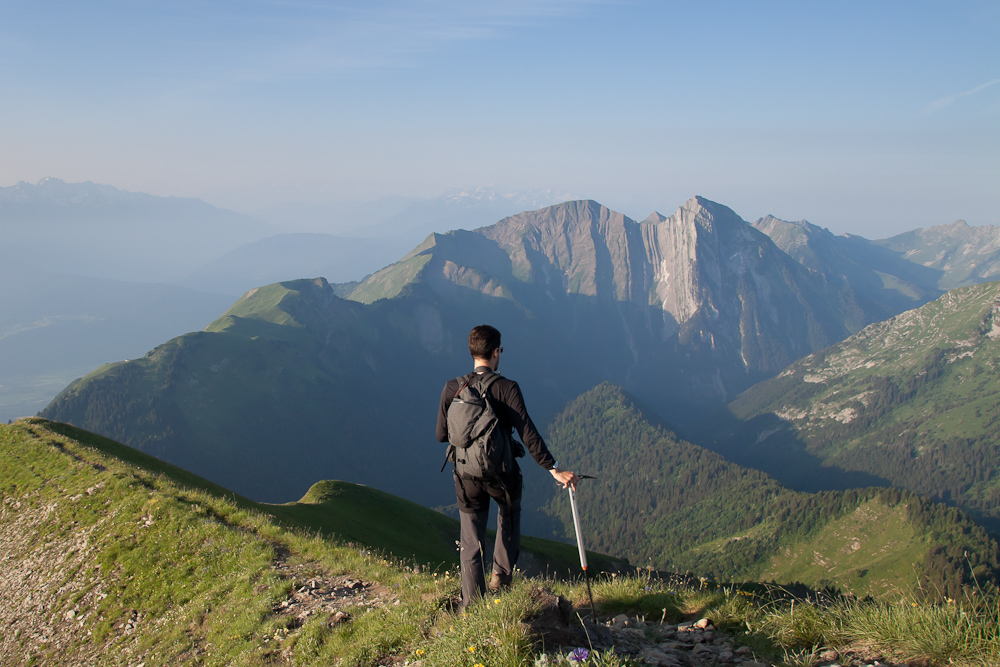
(111, 557)
(867, 551)
(290, 385)
(341, 510)
(114, 557)
(912, 402)
(669, 504)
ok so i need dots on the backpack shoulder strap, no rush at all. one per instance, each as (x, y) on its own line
(463, 382)
(487, 379)
(484, 387)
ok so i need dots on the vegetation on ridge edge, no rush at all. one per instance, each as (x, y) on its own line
(109, 561)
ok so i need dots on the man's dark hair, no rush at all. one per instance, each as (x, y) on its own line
(482, 341)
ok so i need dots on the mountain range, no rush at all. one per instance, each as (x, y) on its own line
(64, 238)
(684, 311)
(100, 231)
(671, 318)
(294, 378)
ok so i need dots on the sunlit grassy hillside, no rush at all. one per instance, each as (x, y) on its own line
(113, 558)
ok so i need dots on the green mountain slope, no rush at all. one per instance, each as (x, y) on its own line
(344, 511)
(289, 386)
(113, 557)
(911, 401)
(667, 503)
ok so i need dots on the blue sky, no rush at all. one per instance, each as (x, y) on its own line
(864, 117)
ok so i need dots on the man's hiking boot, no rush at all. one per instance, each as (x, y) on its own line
(499, 581)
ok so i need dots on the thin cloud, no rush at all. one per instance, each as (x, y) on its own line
(945, 102)
(387, 35)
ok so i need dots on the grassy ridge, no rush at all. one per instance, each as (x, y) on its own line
(119, 561)
(291, 378)
(109, 560)
(123, 558)
(349, 512)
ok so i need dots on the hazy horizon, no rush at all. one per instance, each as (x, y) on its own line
(334, 217)
(863, 118)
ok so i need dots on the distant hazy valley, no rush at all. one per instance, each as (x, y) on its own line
(94, 274)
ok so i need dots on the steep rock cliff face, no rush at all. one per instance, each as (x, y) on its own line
(586, 248)
(701, 297)
(704, 279)
(725, 287)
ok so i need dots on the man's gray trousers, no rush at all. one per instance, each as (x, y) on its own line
(505, 550)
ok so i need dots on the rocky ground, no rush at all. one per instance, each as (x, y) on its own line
(695, 643)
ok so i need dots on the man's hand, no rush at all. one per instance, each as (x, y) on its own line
(565, 477)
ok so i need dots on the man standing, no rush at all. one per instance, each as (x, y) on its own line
(474, 494)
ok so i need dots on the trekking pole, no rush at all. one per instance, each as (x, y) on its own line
(579, 544)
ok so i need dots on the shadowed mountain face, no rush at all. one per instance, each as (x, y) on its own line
(882, 275)
(905, 271)
(730, 290)
(294, 384)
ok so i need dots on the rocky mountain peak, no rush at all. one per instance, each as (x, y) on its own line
(707, 219)
(794, 237)
(586, 246)
(691, 252)
(770, 222)
(703, 278)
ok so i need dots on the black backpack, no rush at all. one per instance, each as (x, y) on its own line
(479, 445)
